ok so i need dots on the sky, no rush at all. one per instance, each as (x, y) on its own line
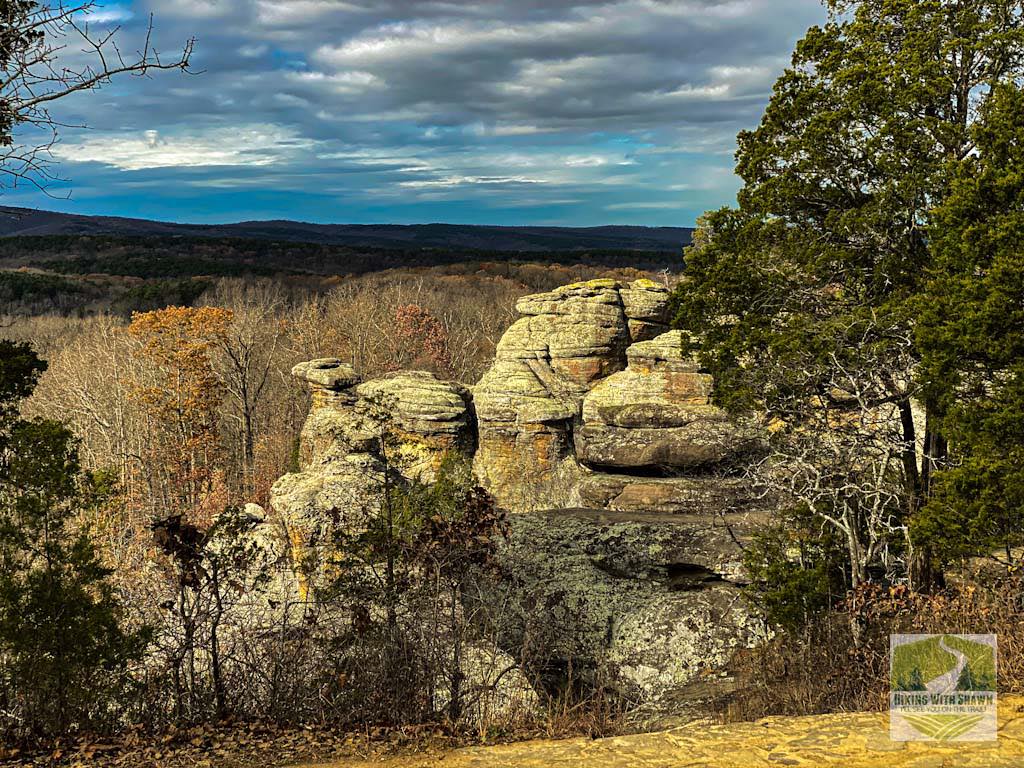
(577, 113)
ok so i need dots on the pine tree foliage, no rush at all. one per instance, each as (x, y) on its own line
(803, 300)
(63, 650)
(972, 338)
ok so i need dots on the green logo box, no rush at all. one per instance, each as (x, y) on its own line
(942, 687)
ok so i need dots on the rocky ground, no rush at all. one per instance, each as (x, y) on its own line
(850, 740)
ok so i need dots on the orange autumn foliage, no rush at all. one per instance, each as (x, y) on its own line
(182, 397)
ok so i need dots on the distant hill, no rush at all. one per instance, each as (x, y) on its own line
(19, 222)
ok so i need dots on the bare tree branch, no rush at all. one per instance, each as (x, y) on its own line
(35, 47)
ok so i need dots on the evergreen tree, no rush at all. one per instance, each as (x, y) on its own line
(972, 337)
(63, 651)
(915, 683)
(803, 300)
(966, 681)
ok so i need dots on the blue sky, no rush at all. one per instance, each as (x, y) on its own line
(574, 113)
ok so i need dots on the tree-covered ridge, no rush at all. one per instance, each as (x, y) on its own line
(172, 256)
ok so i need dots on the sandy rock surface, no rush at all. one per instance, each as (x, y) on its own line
(848, 740)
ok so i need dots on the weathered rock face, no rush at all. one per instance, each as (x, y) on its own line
(597, 431)
(413, 416)
(645, 577)
(651, 597)
(545, 364)
(428, 418)
(658, 414)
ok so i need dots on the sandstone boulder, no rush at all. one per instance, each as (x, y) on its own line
(343, 472)
(332, 433)
(546, 362)
(343, 492)
(328, 378)
(658, 414)
(326, 373)
(646, 306)
(426, 418)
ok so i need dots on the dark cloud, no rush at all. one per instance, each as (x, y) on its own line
(577, 112)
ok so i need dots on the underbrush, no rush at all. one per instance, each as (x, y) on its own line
(246, 743)
(839, 661)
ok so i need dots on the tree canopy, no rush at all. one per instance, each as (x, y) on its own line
(61, 640)
(971, 334)
(804, 300)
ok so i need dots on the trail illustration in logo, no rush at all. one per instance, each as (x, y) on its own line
(943, 687)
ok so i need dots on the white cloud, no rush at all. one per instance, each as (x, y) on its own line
(299, 12)
(252, 145)
(253, 50)
(657, 206)
(460, 181)
(490, 103)
(585, 161)
(108, 14)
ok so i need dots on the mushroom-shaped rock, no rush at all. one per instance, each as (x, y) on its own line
(328, 373)
(330, 380)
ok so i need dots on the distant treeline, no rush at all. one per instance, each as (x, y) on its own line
(82, 275)
(179, 257)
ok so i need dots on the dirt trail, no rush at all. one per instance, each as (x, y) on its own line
(847, 740)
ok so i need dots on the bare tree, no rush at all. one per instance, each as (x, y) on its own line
(40, 65)
(850, 455)
(247, 358)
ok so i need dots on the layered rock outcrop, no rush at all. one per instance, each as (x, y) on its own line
(589, 384)
(657, 414)
(357, 437)
(546, 362)
(425, 418)
(597, 431)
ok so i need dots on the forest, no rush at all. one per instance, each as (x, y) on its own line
(84, 274)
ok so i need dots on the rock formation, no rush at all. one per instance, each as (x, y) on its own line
(597, 431)
(428, 418)
(529, 399)
(411, 415)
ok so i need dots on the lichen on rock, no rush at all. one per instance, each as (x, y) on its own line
(597, 431)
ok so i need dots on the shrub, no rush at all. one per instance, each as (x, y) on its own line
(63, 651)
(840, 662)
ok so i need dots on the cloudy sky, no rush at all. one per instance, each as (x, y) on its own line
(578, 113)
